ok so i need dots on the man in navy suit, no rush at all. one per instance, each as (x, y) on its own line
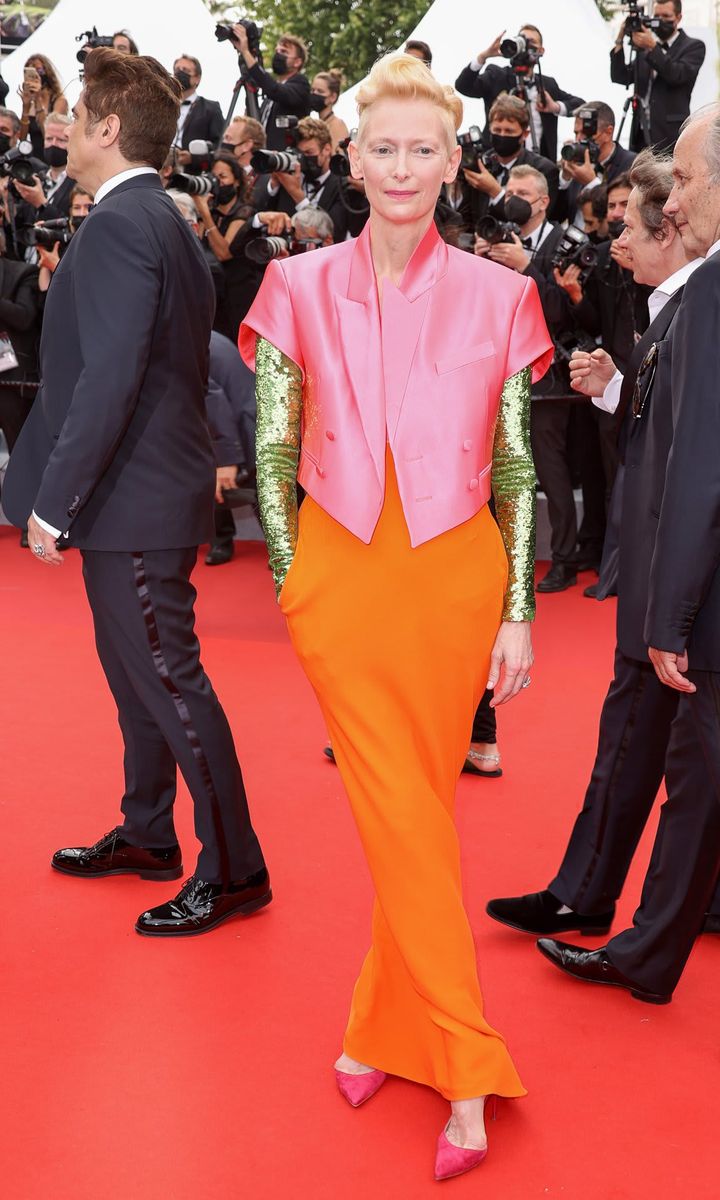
(117, 454)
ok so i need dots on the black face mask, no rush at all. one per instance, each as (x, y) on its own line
(310, 166)
(596, 237)
(55, 156)
(227, 148)
(225, 193)
(76, 222)
(4, 143)
(183, 79)
(615, 228)
(279, 64)
(504, 145)
(517, 210)
(665, 30)
(318, 102)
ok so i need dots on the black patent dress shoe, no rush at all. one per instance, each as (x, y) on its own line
(594, 966)
(219, 554)
(711, 924)
(24, 543)
(558, 579)
(113, 855)
(541, 912)
(200, 906)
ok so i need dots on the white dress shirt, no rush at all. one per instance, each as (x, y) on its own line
(532, 95)
(185, 106)
(610, 398)
(102, 191)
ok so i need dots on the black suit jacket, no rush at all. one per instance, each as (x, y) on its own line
(116, 447)
(613, 307)
(280, 99)
(677, 69)
(619, 162)
(329, 198)
(646, 444)
(488, 83)
(555, 384)
(684, 605)
(19, 311)
(205, 121)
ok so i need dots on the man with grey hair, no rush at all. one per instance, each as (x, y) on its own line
(682, 624)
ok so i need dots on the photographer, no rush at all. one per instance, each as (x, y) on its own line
(546, 103)
(49, 196)
(311, 182)
(123, 42)
(592, 208)
(509, 125)
(242, 138)
(287, 91)
(18, 345)
(41, 94)
(531, 252)
(79, 205)
(199, 118)
(597, 157)
(324, 92)
(663, 67)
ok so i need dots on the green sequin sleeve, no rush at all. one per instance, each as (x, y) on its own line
(513, 485)
(278, 389)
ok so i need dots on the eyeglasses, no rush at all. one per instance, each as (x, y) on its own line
(644, 381)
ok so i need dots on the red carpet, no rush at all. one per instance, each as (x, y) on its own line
(201, 1068)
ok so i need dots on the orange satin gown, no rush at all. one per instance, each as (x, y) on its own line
(396, 643)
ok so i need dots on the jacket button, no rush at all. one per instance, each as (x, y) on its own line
(473, 484)
(330, 435)
(467, 444)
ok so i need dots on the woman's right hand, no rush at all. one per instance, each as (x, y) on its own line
(591, 373)
(569, 281)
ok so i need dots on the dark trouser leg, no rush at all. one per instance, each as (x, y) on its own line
(686, 856)
(608, 581)
(608, 433)
(150, 769)
(592, 479)
(485, 724)
(549, 423)
(13, 411)
(633, 739)
(146, 604)
(224, 526)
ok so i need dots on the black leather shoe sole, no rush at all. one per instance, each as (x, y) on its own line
(595, 930)
(163, 876)
(636, 993)
(244, 910)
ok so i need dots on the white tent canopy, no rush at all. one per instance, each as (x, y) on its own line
(163, 30)
(577, 41)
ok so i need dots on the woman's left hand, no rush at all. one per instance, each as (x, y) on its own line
(512, 658)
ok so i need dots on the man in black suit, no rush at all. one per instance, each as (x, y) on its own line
(49, 196)
(509, 125)
(676, 514)
(638, 711)
(663, 71)
(613, 160)
(286, 93)
(546, 103)
(19, 313)
(117, 452)
(199, 119)
(312, 182)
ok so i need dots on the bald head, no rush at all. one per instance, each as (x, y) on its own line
(694, 202)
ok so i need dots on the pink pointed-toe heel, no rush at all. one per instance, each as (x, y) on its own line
(453, 1160)
(358, 1088)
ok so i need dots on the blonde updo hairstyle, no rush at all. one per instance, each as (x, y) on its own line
(404, 77)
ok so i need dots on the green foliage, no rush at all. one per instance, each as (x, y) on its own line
(350, 34)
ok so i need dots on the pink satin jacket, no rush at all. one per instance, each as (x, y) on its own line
(427, 377)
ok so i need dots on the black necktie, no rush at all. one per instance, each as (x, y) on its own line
(664, 46)
(527, 243)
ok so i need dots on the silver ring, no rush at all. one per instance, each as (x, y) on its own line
(39, 550)
(526, 681)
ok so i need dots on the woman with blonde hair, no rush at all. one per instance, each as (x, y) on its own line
(324, 91)
(393, 382)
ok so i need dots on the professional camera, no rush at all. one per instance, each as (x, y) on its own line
(224, 33)
(491, 163)
(16, 163)
(575, 249)
(637, 20)
(263, 250)
(575, 151)
(339, 161)
(92, 40)
(194, 185)
(271, 161)
(494, 231)
(523, 56)
(51, 232)
(471, 143)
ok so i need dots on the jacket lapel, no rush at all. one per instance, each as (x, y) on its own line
(359, 322)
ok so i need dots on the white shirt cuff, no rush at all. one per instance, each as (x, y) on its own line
(256, 222)
(610, 398)
(475, 65)
(562, 112)
(497, 199)
(302, 204)
(273, 188)
(48, 528)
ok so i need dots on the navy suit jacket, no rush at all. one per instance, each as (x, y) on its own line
(231, 404)
(116, 448)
